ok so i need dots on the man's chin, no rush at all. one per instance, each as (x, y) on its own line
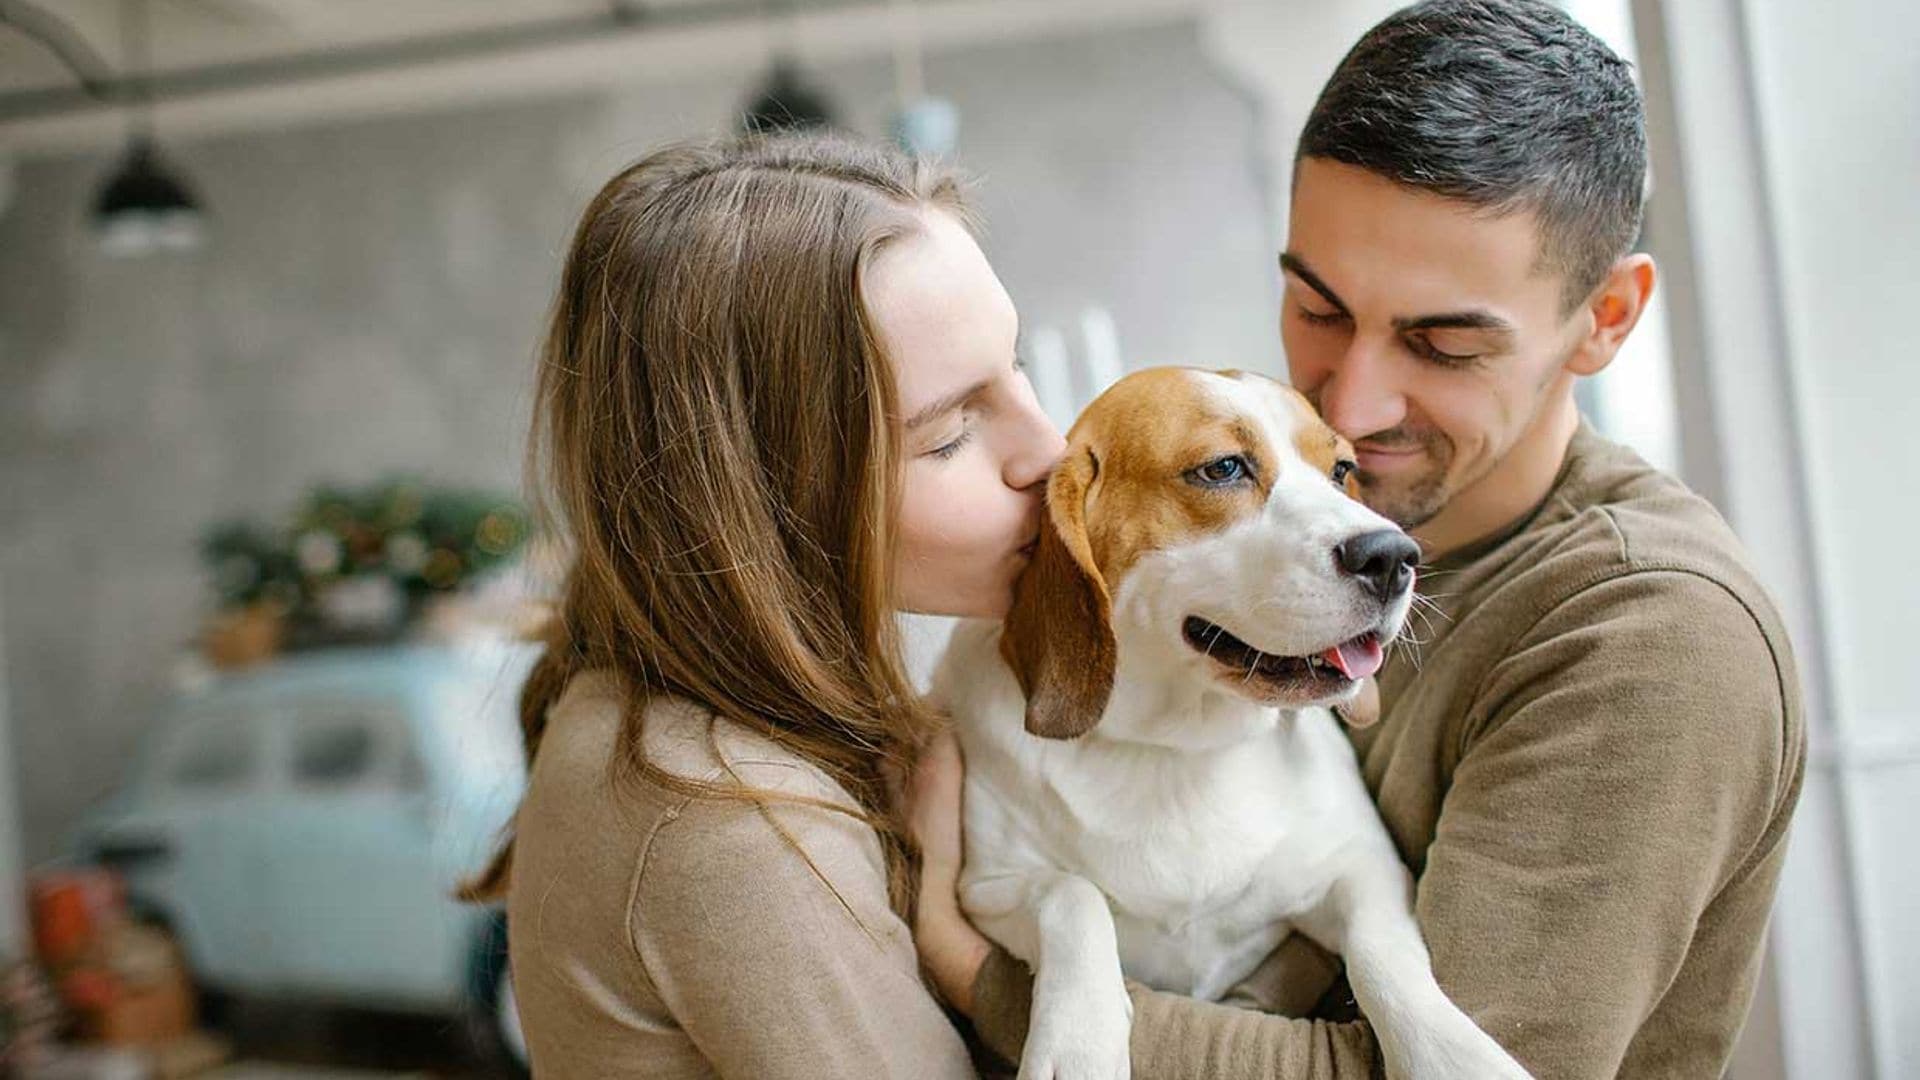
(1408, 505)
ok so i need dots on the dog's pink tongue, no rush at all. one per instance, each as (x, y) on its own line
(1356, 659)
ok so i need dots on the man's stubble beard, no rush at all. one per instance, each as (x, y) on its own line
(1411, 501)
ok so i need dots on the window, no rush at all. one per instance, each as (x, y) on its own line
(337, 754)
(214, 752)
(350, 745)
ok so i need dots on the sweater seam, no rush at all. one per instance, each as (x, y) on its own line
(630, 910)
(667, 817)
(1615, 573)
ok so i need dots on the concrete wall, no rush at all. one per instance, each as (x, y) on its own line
(13, 915)
(373, 291)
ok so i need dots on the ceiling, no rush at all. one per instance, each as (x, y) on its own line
(190, 35)
(230, 65)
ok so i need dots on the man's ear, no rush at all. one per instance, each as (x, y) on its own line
(1058, 636)
(1613, 310)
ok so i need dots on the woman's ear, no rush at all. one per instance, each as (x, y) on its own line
(1058, 636)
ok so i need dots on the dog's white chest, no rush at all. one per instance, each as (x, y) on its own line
(1205, 882)
(1203, 858)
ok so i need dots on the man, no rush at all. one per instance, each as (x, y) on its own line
(1590, 762)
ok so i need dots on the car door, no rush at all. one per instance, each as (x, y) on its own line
(186, 846)
(358, 911)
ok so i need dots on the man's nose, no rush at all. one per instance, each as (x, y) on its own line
(1382, 561)
(1357, 399)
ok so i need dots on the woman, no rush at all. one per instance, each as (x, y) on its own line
(779, 403)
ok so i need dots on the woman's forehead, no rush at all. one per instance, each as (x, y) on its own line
(942, 315)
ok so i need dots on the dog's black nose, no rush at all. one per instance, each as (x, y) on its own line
(1382, 560)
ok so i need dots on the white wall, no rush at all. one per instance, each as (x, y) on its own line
(1790, 136)
(1837, 95)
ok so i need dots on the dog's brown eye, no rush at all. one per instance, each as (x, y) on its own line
(1222, 471)
(1342, 470)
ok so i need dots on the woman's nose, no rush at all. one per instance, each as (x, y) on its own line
(1039, 445)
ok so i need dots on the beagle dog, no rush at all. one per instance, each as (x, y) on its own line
(1156, 783)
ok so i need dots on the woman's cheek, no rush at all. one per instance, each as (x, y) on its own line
(955, 512)
(935, 512)
(959, 529)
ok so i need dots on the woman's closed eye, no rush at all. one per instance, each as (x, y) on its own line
(954, 445)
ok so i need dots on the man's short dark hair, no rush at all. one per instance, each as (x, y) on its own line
(1508, 105)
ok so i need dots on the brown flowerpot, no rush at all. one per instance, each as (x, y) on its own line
(237, 637)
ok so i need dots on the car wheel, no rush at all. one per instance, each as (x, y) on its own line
(493, 1017)
(213, 1008)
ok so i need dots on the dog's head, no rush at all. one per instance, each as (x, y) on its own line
(1203, 524)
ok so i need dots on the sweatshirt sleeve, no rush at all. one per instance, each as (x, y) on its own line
(1622, 774)
(768, 935)
(1627, 773)
(1182, 1038)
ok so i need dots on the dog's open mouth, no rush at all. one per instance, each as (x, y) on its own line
(1327, 672)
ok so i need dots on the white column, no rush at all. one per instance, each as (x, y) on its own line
(1283, 53)
(1786, 140)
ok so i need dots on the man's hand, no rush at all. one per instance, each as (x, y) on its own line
(1364, 709)
(950, 948)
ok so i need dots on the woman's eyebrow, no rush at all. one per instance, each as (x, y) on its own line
(946, 404)
(1291, 263)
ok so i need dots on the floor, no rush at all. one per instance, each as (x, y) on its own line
(289, 1042)
(273, 1041)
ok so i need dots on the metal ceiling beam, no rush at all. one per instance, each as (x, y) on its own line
(100, 85)
(661, 48)
(67, 45)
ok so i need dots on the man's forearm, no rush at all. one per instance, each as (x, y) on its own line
(1176, 1037)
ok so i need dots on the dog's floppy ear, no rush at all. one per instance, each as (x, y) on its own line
(1058, 635)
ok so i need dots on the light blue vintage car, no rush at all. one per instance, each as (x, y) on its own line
(299, 828)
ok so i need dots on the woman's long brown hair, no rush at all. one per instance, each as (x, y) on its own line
(716, 442)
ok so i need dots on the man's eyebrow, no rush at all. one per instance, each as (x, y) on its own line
(1456, 320)
(1449, 320)
(1291, 264)
(946, 404)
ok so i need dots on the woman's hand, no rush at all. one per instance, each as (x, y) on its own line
(950, 948)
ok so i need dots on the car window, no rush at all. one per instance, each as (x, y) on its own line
(332, 754)
(350, 745)
(214, 752)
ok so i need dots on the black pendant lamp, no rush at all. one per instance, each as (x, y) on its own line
(785, 100)
(145, 208)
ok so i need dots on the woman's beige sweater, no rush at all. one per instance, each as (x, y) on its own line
(654, 935)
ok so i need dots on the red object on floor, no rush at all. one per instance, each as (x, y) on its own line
(70, 909)
(88, 988)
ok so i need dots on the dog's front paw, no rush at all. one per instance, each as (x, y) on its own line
(1079, 1033)
(1457, 1050)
